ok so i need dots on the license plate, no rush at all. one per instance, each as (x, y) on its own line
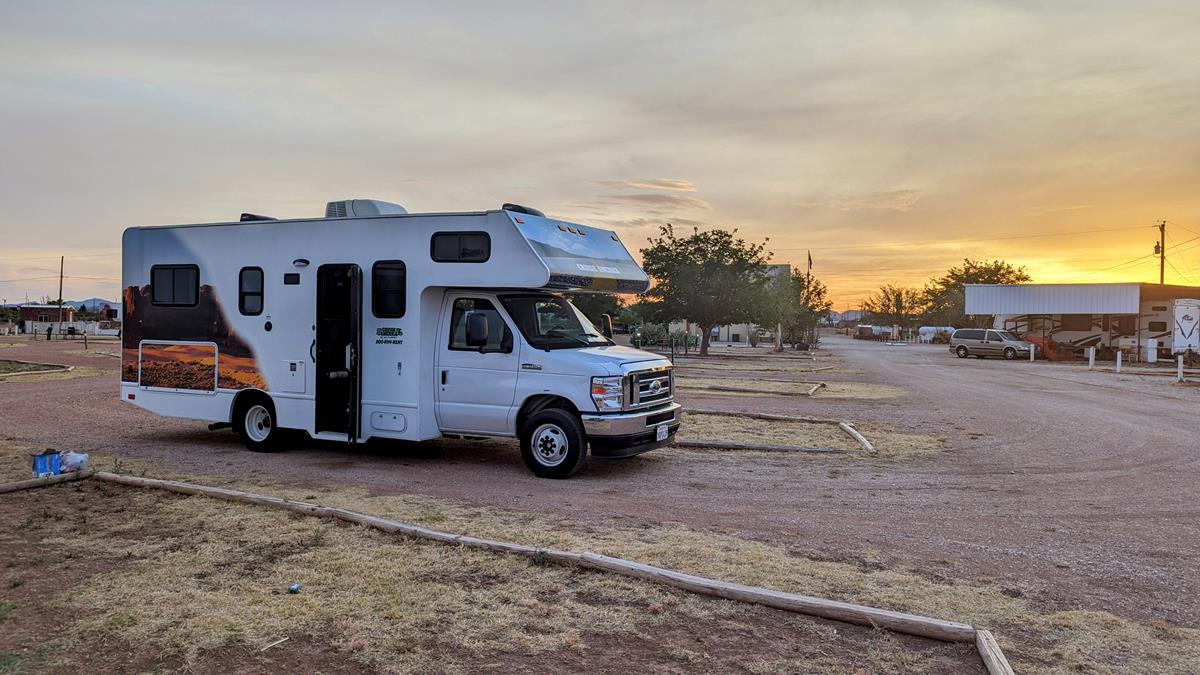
(660, 433)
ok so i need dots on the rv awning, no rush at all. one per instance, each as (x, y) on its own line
(1069, 298)
(1053, 299)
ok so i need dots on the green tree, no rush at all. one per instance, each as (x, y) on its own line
(946, 296)
(894, 305)
(710, 278)
(796, 302)
(812, 301)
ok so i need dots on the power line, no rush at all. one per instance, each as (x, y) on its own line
(1182, 259)
(1135, 260)
(90, 255)
(962, 241)
(1180, 274)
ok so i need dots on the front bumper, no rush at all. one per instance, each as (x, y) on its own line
(632, 433)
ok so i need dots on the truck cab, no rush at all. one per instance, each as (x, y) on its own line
(529, 364)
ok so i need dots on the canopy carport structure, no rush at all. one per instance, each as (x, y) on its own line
(1064, 319)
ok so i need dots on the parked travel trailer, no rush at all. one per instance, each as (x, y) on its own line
(375, 323)
(1155, 320)
(1168, 327)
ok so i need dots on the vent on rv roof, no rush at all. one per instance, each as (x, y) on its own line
(350, 208)
(517, 208)
(255, 216)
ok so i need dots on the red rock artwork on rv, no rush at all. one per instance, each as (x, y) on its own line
(167, 363)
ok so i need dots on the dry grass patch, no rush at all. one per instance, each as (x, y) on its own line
(747, 387)
(8, 367)
(889, 443)
(74, 373)
(195, 575)
(758, 367)
(699, 427)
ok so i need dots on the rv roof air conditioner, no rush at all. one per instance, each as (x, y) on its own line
(351, 208)
(529, 210)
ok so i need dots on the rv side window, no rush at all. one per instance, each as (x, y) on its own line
(387, 289)
(250, 291)
(461, 247)
(1076, 322)
(500, 338)
(1125, 325)
(174, 285)
(968, 334)
(1158, 326)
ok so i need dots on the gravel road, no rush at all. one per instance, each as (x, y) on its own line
(1076, 489)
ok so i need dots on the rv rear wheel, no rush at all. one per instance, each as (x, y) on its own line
(553, 443)
(254, 420)
(961, 352)
(1010, 353)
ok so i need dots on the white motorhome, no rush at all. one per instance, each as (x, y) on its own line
(375, 323)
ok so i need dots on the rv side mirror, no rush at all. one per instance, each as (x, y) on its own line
(606, 326)
(477, 330)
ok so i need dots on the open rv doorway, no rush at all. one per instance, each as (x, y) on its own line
(338, 349)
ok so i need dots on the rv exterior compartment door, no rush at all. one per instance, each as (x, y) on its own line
(476, 384)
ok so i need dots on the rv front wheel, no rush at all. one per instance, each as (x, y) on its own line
(553, 443)
(254, 420)
(1010, 353)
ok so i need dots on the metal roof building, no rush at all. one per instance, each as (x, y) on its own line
(1124, 298)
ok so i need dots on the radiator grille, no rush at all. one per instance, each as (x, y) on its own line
(651, 387)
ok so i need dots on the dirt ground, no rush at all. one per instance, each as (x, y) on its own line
(1067, 492)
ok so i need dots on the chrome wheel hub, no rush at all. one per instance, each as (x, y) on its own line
(549, 445)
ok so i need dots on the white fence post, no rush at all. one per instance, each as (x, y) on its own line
(1032, 352)
(1091, 358)
(1119, 353)
(1179, 368)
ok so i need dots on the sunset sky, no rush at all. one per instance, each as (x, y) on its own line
(891, 139)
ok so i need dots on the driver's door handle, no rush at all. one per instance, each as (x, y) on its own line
(443, 377)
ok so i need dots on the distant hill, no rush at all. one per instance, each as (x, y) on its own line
(92, 304)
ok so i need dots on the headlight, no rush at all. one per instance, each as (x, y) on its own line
(608, 393)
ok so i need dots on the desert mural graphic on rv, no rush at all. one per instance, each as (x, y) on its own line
(184, 347)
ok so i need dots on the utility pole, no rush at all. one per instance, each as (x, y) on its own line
(61, 261)
(1161, 250)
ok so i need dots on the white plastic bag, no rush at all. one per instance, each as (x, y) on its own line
(74, 461)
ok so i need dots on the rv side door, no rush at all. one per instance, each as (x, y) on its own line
(476, 382)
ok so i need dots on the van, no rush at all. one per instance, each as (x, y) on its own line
(980, 343)
(376, 323)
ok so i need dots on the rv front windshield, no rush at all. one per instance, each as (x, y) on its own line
(551, 322)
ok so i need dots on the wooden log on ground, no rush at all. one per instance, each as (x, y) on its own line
(814, 389)
(849, 428)
(948, 631)
(42, 482)
(729, 445)
(989, 651)
(761, 416)
(830, 609)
